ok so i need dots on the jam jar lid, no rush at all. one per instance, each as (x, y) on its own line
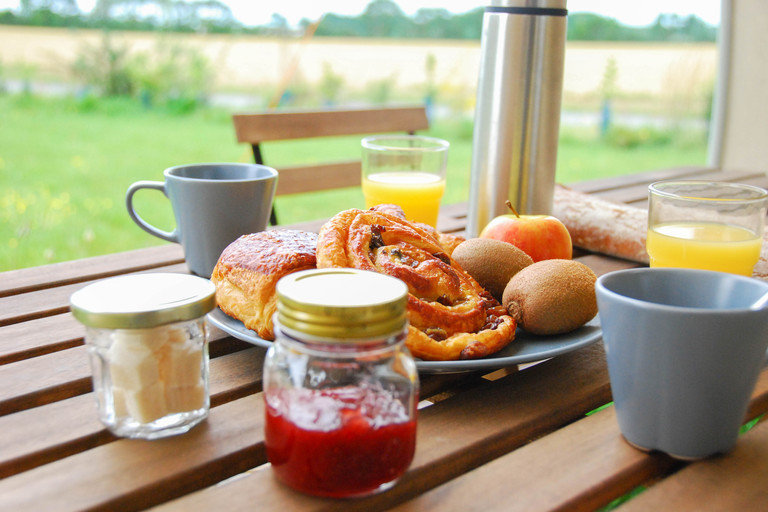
(143, 300)
(341, 303)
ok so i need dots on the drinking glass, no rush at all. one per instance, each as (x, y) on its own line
(706, 225)
(406, 170)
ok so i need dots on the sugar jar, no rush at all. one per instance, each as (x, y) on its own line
(340, 387)
(146, 338)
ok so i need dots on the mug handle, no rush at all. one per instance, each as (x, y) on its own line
(171, 236)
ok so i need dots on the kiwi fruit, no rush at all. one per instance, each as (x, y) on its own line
(491, 263)
(552, 296)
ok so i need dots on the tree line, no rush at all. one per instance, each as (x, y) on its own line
(380, 19)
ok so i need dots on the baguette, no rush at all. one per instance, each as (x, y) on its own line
(601, 226)
(761, 268)
(616, 229)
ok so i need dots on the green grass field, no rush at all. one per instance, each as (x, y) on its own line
(65, 166)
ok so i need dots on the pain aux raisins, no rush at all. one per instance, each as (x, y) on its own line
(436, 333)
(376, 239)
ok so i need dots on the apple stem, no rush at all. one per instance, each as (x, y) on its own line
(509, 205)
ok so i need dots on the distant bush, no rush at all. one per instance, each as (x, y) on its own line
(330, 85)
(624, 137)
(172, 75)
(380, 92)
(105, 67)
(169, 75)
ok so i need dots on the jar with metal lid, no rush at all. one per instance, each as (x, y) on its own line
(340, 387)
(146, 337)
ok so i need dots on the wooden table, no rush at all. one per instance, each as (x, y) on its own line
(505, 441)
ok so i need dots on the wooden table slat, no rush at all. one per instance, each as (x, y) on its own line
(67, 373)
(732, 482)
(29, 437)
(578, 468)
(39, 337)
(69, 272)
(600, 265)
(637, 195)
(52, 301)
(601, 185)
(134, 474)
(26, 280)
(45, 379)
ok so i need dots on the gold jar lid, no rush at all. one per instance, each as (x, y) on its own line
(341, 303)
(143, 300)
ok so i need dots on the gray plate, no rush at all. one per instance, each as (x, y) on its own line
(526, 348)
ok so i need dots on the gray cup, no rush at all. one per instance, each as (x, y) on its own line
(213, 205)
(684, 352)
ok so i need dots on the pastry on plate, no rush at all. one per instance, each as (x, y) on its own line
(451, 316)
(249, 268)
(448, 241)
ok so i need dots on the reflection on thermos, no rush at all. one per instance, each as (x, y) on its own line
(517, 115)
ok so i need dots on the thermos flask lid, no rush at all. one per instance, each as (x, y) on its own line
(530, 7)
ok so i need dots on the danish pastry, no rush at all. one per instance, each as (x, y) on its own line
(447, 241)
(249, 268)
(451, 316)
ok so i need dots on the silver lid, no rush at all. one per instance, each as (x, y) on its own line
(143, 300)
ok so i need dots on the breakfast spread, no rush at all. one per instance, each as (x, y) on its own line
(461, 304)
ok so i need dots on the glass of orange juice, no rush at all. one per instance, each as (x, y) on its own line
(706, 225)
(406, 170)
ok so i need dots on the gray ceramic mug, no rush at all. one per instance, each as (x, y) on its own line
(213, 204)
(684, 352)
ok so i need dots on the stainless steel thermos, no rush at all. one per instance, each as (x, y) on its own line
(517, 116)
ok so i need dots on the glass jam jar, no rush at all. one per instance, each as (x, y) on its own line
(146, 338)
(340, 387)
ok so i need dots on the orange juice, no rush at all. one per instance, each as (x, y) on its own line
(417, 193)
(708, 246)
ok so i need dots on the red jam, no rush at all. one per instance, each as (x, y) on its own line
(340, 442)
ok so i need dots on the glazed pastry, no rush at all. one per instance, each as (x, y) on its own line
(451, 316)
(249, 268)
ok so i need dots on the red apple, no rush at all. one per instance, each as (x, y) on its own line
(542, 237)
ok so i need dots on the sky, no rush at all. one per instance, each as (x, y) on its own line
(629, 12)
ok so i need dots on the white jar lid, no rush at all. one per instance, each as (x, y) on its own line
(143, 300)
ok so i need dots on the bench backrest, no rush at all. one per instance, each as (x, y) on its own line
(255, 129)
